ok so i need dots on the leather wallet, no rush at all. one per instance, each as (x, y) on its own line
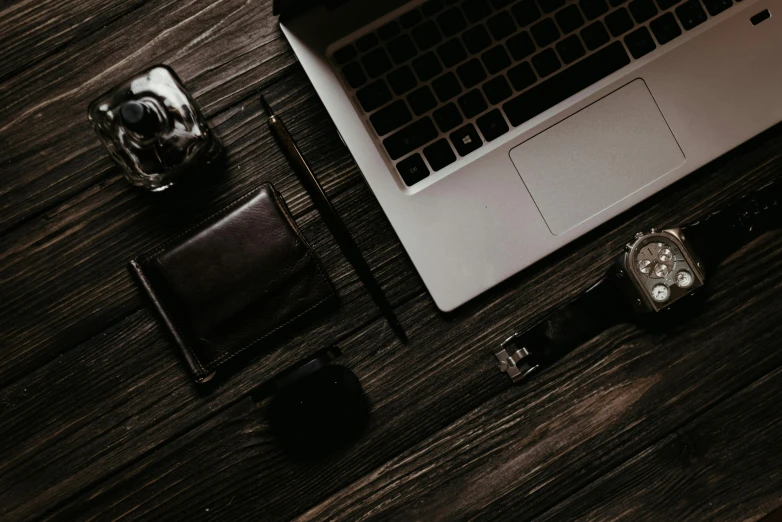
(231, 281)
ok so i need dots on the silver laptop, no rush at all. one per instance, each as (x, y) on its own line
(493, 132)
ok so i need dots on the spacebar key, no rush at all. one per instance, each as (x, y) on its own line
(571, 81)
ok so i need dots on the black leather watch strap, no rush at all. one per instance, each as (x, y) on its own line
(595, 310)
(721, 233)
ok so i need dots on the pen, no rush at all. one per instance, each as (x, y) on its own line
(330, 216)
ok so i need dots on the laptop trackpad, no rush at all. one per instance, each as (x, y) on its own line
(597, 157)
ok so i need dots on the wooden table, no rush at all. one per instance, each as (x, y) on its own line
(99, 419)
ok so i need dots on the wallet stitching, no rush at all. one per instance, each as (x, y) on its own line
(228, 356)
(309, 253)
(148, 257)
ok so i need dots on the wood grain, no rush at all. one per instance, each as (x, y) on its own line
(525, 450)
(48, 151)
(101, 421)
(110, 224)
(724, 465)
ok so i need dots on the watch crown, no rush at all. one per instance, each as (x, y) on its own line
(639, 235)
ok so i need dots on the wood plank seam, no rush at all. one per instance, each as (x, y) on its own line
(678, 429)
(213, 413)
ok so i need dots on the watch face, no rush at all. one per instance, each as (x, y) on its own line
(661, 270)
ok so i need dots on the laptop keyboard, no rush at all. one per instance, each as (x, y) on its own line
(443, 79)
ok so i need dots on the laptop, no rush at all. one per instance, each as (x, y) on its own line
(494, 132)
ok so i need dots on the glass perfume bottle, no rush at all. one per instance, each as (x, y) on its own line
(154, 130)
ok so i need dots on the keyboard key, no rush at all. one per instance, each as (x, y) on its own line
(390, 118)
(476, 39)
(570, 49)
(546, 62)
(520, 46)
(451, 22)
(665, 28)
(388, 31)
(411, 18)
(525, 12)
(448, 117)
(426, 35)
(593, 8)
(569, 19)
(642, 10)
(466, 140)
(640, 42)
(446, 87)
(374, 95)
(690, 14)
(472, 104)
(570, 81)
(619, 22)
(500, 4)
(354, 74)
(595, 35)
(413, 136)
(427, 66)
(412, 170)
(501, 25)
(667, 4)
(452, 52)
(616, 3)
(401, 49)
(439, 154)
(476, 10)
(432, 7)
(401, 80)
(492, 125)
(545, 32)
(522, 76)
(497, 90)
(549, 6)
(715, 7)
(421, 100)
(376, 63)
(471, 73)
(367, 42)
(496, 59)
(345, 54)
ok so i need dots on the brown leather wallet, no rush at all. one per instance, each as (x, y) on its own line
(232, 280)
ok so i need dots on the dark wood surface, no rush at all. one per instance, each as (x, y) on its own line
(99, 419)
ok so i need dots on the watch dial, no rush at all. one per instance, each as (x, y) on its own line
(661, 293)
(656, 260)
(683, 279)
(661, 269)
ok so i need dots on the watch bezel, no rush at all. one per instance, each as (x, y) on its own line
(634, 286)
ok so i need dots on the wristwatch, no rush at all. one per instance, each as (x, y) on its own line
(655, 273)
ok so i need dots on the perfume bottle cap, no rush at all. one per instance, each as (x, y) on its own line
(138, 117)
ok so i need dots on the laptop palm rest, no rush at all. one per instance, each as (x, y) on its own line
(597, 157)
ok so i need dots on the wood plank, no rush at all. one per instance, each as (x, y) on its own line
(527, 449)
(724, 465)
(447, 371)
(125, 392)
(48, 151)
(54, 303)
(33, 30)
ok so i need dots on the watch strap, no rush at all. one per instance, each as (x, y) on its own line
(592, 312)
(719, 234)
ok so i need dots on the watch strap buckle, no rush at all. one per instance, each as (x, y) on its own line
(515, 363)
